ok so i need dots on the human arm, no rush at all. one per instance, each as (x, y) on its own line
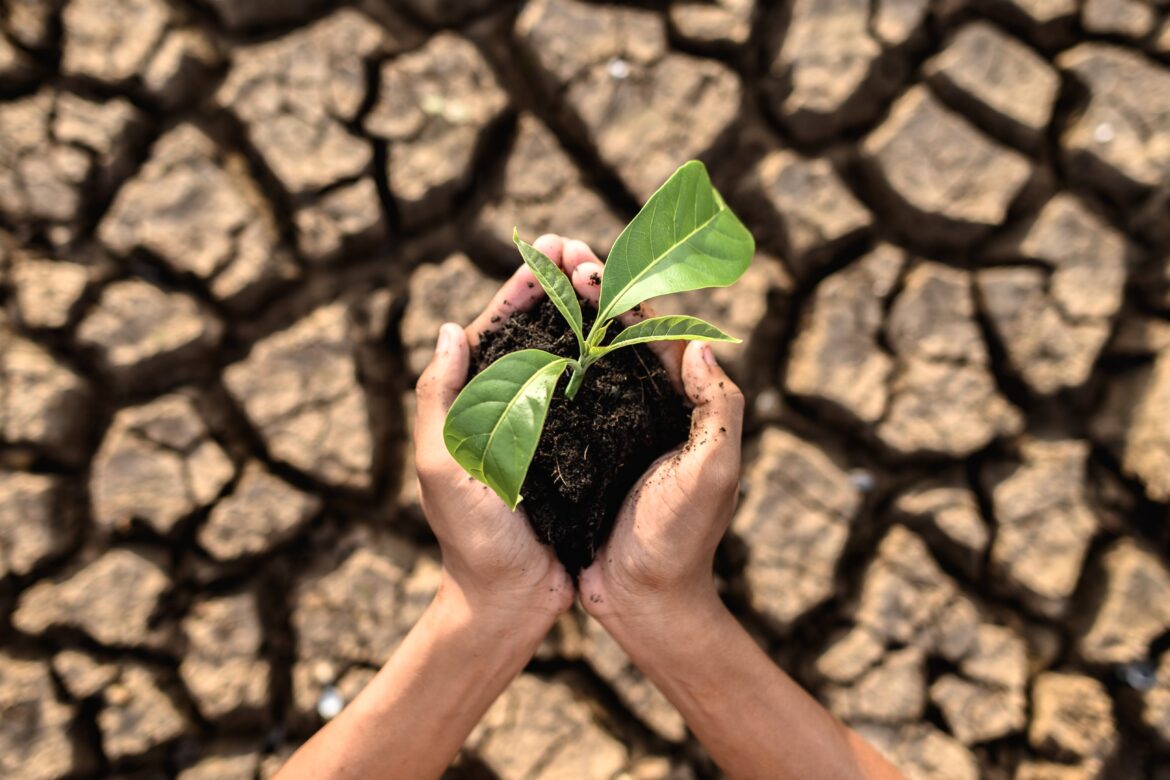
(652, 587)
(754, 720)
(500, 592)
(412, 718)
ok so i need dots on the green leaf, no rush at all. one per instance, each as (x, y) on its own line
(669, 328)
(684, 238)
(558, 286)
(494, 425)
(597, 335)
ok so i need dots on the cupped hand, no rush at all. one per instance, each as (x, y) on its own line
(491, 558)
(658, 562)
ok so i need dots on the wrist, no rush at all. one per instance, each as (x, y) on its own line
(412, 718)
(685, 649)
(518, 622)
(652, 621)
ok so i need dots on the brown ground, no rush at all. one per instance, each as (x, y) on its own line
(229, 230)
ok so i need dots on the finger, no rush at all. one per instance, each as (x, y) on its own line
(717, 420)
(587, 278)
(553, 247)
(576, 253)
(579, 256)
(519, 293)
(670, 353)
(587, 281)
(437, 388)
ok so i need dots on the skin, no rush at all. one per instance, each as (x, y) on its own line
(651, 587)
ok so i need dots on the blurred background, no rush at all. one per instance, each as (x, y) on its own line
(229, 231)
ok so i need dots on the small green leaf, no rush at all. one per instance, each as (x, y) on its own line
(558, 286)
(669, 328)
(494, 425)
(597, 335)
(684, 238)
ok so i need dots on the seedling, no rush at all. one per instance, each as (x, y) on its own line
(684, 238)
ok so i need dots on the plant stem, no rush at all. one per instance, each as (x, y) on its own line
(575, 381)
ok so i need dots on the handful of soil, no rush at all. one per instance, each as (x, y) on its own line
(595, 447)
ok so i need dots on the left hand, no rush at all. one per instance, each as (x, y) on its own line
(500, 593)
(492, 560)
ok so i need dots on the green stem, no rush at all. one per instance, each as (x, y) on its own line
(575, 381)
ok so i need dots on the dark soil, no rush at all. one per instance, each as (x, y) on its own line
(595, 447)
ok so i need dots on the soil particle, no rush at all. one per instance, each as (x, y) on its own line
(594, 447)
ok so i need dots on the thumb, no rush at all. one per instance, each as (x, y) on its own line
(440, 383)
(717, 420)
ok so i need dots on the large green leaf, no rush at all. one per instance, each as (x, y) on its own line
(494, 425)
(558, 287)
(684, 238)
(675, 327)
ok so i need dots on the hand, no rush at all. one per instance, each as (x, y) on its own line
(500, 593)
(657, 564)
(491, 558)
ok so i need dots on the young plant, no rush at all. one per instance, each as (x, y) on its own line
(684, 238)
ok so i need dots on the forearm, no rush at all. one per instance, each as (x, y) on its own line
(413, 717)
(754, 720)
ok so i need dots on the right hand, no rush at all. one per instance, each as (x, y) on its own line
(659, 560)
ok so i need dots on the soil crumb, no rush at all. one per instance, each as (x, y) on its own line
(595, 447)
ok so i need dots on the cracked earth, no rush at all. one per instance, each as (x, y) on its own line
(230, 229)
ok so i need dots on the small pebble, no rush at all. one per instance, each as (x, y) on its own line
(619, 68)
(862, 480)
(1104, 133)
(1140, 676)
(768, 403)
(331, 703)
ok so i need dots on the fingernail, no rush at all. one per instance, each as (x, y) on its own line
(446, 341)
(709, 355)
